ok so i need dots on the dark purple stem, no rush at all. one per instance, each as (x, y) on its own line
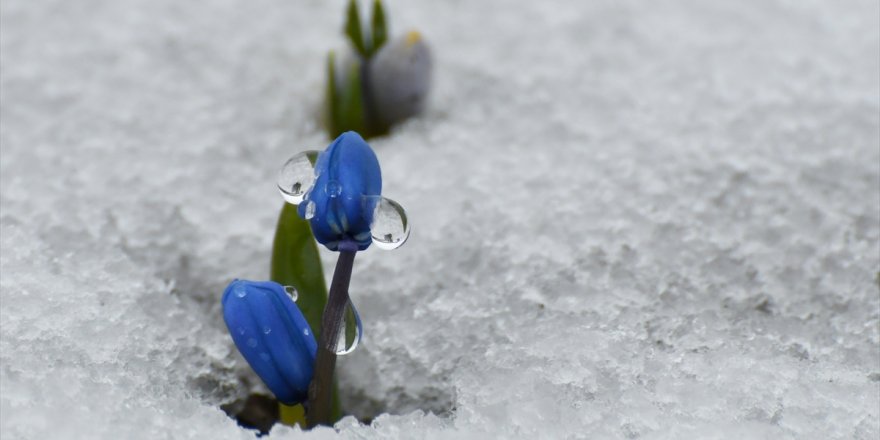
(320, 389)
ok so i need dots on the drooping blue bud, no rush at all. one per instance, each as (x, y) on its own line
(272, 335)
(348, 183)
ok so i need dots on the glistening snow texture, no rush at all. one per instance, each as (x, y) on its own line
(631, 219)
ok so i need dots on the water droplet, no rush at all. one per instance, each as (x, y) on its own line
(390, 228)
(351, 331)
(310, 210)
(252, 342)
(267, 330)
(306, 332)
(264, 356)
(333, 188)
(297, 176)
(240, 291)
(291, 291)
(241, 330)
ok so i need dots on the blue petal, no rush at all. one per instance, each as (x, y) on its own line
(272, 335)
(346, 171)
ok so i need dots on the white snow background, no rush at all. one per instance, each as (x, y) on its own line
(653, 220)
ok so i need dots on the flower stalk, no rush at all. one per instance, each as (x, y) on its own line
(331, 325)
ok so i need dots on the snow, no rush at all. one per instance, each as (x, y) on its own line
(651, 220)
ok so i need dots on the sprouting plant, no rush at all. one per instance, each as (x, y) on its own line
(381, 82)
(338, 193)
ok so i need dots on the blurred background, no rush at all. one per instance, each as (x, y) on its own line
(630, 219)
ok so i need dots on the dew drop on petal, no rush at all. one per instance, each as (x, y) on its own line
(306, 331)
(333, 189)
(291, 292)
(267, 330)
(297, 176)
(240, 291)
(390, 228)
(310, 210)
(252, 342)
(351, 331)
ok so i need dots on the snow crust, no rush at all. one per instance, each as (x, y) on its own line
(652, 220)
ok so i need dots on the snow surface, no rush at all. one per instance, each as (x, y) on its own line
(631, 219)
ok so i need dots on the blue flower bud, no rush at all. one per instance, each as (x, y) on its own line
(339, 206)
(272, 335)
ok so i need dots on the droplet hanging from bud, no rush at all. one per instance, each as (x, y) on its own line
(390, 228)
(297, 176)
(291, 292)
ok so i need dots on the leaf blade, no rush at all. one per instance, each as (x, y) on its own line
(351, 102)
(353, 28)
(379, 27)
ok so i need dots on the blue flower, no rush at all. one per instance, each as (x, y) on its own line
(347, 187)
(272, 335)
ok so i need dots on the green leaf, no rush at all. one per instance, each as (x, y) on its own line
(379, 27)
(296, 262)
(353, 28)
(350, 103)
(345, 105)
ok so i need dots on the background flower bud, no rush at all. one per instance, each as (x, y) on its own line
(399, 79)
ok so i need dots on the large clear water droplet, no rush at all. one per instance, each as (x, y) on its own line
(297, 176)
(291, 292)
(390, 228)
(351, 331)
